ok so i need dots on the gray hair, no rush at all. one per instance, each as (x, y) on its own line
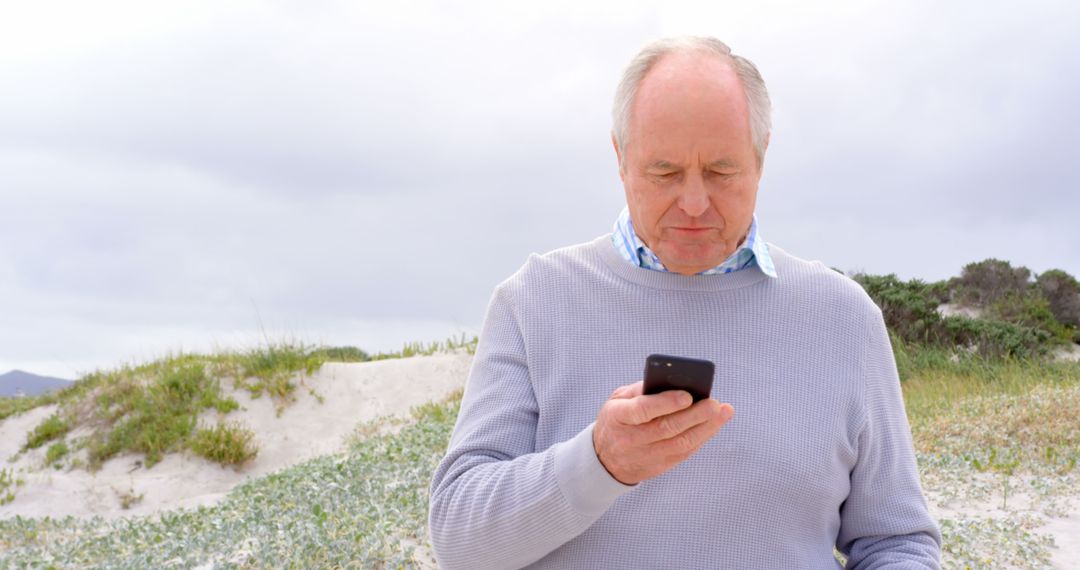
(757, 96)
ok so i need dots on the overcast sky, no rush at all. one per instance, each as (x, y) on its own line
(190, 175)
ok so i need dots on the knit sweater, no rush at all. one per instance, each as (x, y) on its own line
(818, 453)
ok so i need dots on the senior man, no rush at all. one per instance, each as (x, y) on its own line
(559, 461)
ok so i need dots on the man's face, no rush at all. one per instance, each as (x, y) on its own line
(689, 169)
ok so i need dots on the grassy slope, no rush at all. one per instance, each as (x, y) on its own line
(985, 430)
(367, 507)
(154, 408)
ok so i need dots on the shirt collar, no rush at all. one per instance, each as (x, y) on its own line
(753, 251)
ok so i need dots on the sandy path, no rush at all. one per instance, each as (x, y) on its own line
(351, 394)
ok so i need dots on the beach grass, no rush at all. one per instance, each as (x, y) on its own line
(154, 408)
(14, 406)
(8, 483)
(230, 443)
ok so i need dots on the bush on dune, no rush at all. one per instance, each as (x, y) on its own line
(228, 444)
(1021, 318)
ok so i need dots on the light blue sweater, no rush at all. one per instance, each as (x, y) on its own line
(818, 454)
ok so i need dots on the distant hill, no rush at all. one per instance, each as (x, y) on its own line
(19, 383)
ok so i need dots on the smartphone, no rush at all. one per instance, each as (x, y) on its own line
(663, 372)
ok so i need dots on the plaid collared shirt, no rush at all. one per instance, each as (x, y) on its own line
(753, 251)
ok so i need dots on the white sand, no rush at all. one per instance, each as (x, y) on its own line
(952, 309)
(351, 393)
(1069, 353)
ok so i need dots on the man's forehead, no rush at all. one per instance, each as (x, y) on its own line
(687, 73)
(690, 108)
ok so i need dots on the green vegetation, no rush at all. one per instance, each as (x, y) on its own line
(991, 543)
(986, 431)
(8, 482)
(56, 452)
(342, 354)
(1017, 411)
(270, 370)
(420, 349)
(1020, 318)
(1060, 290)
(353, 354)
(150, 409)
(227, 444)
(14, 406)
(153, 408)
(48, 430)
(365, 508)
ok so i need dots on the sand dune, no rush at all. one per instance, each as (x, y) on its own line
(351, 394)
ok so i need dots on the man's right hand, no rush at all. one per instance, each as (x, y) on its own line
(638, 437)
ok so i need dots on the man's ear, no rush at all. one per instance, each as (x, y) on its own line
(618, 156)
(764, 149)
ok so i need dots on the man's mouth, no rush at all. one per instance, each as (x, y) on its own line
(691, 231)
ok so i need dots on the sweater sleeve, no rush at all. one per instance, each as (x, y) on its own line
(885, 522)
(496, 501)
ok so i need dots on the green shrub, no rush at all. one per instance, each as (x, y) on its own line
(1062, 292)
(53, 427)
(143, 432)
(909, 307)
(995, 339)
(277, 360)
(227, 444)
(56, 452)
(1018, 321)
(152, 409)
(343, 354)
(1030, 309)
(986, 282)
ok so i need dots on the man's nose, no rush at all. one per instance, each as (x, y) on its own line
(694, 196)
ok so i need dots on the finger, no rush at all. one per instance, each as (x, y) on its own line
(689, 441)
(671, 425)
(643, 409)
(628, 390)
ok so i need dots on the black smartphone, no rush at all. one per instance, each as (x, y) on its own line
(663, 372)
